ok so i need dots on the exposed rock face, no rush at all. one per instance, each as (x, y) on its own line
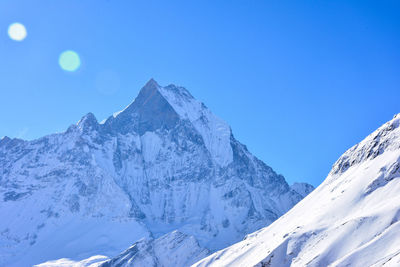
(163, 163)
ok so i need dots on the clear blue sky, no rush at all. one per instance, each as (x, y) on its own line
(298, 81)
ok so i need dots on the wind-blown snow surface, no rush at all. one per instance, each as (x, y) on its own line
(163, 163)
(351, 219)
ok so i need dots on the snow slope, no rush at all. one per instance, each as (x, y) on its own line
(173, 249)
(164, 163)
(351, 219)
(94, 261)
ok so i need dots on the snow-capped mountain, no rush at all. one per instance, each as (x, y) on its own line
(164, 163)
(351, 219)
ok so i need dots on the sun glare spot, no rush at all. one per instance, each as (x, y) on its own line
(17, 31)
(69, 60)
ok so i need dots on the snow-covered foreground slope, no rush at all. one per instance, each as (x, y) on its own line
(351, 219)
(164, 163)
(173, 249)
(94, 261)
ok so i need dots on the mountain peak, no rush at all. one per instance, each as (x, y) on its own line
(4, 140)
(151, 85)
(88, 122)
(157, 107)
(148, 112)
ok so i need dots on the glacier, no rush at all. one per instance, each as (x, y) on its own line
(165, 163)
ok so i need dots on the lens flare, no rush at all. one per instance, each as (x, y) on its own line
(69, 60)
(17, 31)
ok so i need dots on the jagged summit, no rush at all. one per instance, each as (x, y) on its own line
(89, 117)
(6, 141)
(151, 84)
(149, 112)
(158, 108)
(152, 91)
(88, 123)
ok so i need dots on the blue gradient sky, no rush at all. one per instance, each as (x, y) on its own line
(298, 81)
